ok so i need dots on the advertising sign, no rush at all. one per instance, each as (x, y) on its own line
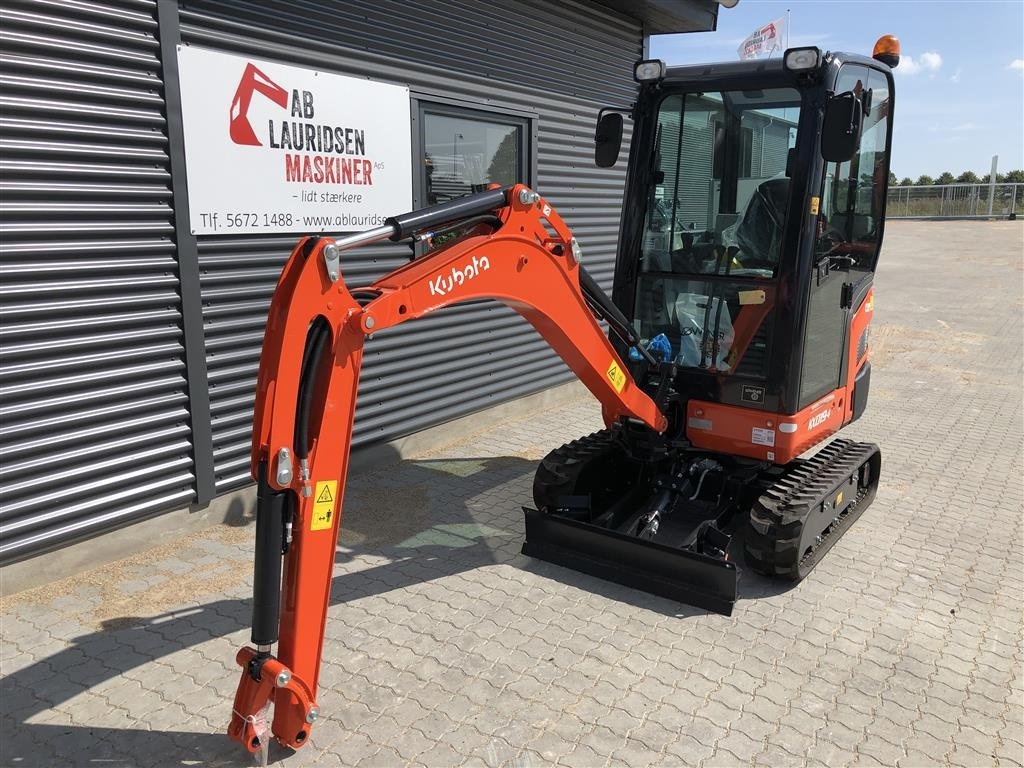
(275, 148)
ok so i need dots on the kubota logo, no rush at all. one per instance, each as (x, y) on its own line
(442, 284)
(253, 81)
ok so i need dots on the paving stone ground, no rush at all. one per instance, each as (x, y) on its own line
(445, 646)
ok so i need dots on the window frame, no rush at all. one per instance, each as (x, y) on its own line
(422, 104)
(746, 151)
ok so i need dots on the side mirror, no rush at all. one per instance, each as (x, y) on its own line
(608, 139)
(840, 131)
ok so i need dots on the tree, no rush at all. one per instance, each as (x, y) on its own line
(1014, 177)
(907, 182)
(945, 178)
(892, 179)
(967, 177)
(925, 180)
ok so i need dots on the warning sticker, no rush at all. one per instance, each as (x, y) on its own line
(815, 204)
(616, 376)
(759, 436)
(325, 499)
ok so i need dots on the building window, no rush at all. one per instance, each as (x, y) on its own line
(465, 150)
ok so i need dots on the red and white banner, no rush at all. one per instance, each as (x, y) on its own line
(767, 40)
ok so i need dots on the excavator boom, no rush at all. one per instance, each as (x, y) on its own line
(510, 246)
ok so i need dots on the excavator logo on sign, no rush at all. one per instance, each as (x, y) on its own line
(253, 81)
(616, 377)
(312, 149)
(324, 498)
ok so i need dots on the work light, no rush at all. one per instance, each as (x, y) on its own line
(649, 70)
(802, 59)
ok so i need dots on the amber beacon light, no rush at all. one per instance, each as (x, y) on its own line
(887, 50)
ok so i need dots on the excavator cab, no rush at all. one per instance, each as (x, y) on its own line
(741, 243)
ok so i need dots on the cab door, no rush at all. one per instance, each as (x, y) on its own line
(850, 222)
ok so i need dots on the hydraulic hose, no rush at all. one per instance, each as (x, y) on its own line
(489, 219)
(603, 307)
(316, 342)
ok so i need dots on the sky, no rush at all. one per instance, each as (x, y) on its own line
(959, 85)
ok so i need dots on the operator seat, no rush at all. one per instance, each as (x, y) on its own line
(758, 234)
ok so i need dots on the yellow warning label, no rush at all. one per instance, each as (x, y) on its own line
(325, 499)
(839, 499)
(616, 377)
(815, 202)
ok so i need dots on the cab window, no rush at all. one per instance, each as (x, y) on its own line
(716, 211)
(853, 202)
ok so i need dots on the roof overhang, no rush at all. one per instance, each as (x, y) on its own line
(662, 17)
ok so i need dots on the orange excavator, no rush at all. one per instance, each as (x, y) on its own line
(737, 340)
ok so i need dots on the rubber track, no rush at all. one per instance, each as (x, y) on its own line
(776, 522)
(559, 471)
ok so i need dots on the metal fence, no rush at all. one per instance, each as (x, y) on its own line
(955, 201)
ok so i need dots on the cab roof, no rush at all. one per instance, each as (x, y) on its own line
(757, 70)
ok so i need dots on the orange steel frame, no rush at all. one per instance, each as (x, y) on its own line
(528, 264)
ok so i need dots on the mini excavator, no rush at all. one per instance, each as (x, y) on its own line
(737, 340)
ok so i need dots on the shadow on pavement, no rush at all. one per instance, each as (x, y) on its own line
(437, 520)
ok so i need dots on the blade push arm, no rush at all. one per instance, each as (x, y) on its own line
(522, 254)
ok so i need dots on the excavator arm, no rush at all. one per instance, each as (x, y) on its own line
(517, 251)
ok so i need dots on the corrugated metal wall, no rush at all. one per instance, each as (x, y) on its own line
(696, 162)
(575, 59)
(94, 421)
(774, 149)
(756, 152)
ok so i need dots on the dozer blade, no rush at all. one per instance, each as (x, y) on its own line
(677, 574)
